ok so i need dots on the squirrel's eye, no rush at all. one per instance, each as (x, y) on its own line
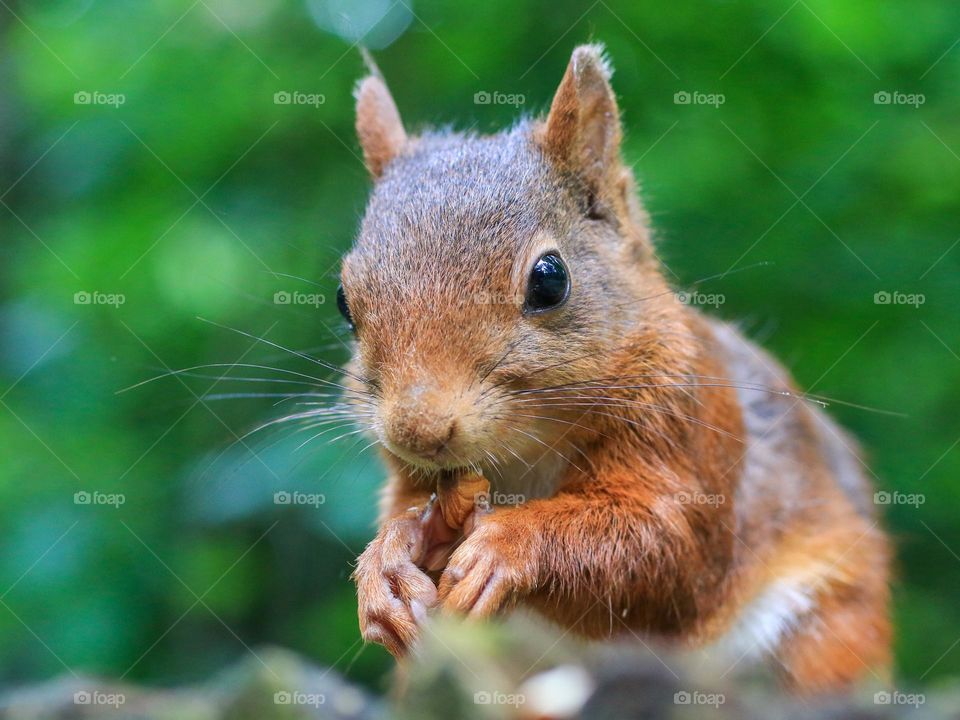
(344, 308)
(549, 284)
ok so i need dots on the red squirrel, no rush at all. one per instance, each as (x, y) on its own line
(652, 471)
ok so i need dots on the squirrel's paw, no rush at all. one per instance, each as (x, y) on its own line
(493, 566)
(393, 594)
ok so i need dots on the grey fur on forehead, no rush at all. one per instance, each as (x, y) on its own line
(450, 186)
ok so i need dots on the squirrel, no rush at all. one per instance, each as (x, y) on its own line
(653, 473)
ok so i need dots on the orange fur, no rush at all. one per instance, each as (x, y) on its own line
(671, 481)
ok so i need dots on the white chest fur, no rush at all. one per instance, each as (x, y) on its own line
(767, 619)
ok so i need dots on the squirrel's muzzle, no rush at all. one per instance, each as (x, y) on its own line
(420, 426)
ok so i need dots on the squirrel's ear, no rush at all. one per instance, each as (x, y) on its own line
(582, 131)
(379, 128)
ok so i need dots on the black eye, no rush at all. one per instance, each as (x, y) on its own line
(549, 284)
(344, 308)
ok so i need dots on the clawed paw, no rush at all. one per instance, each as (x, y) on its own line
(482, 573)
(488, 571)
(393, 590)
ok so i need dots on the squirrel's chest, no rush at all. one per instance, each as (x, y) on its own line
(521, 479)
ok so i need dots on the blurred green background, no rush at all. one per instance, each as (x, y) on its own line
(146, 157)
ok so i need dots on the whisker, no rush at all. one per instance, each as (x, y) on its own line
(255, 454)
(530, 374)
(310, 358)
(326, 347)
(326, 412)
(563, 438)
(536, 439)
(242, 378)
(171, 373)
(821, 400)
(244, 396)
(514, 453)
(510, 348)
(352, 432)
(591, 409)
(604, 401)
(332, 429)
(296, 277)
(339, 461)
(586, 385)
(554, 419)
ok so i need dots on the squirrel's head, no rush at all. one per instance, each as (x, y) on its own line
(488, 267)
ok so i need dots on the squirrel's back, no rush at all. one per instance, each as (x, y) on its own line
(805, 519)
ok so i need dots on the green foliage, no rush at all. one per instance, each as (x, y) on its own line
(199, 195)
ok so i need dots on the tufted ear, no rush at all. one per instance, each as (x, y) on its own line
(582, 131)
(379, 128)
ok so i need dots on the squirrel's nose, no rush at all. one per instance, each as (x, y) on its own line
(419, 424)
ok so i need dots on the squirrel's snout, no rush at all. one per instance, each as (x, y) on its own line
(419, 425)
